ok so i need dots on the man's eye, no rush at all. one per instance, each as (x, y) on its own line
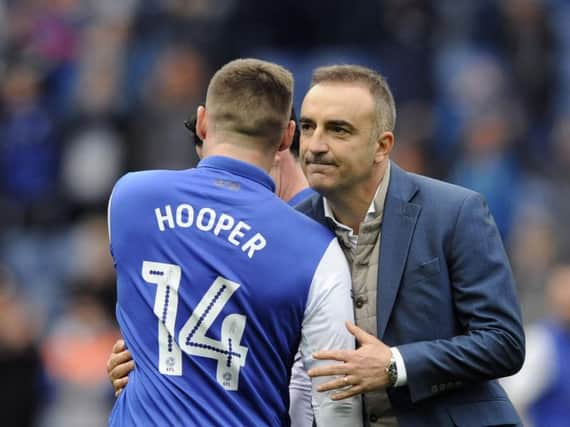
(306, 127)
(339, 130)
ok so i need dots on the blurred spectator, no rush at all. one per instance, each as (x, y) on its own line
(93, 266)
(488, 164)
(408, 28)
(20, 363)
(52, 41)
(558, 173)
(294, 25)
(111, 13)
(559, 16)
(29, 152)
(541, 390)
(3, 32)
(521, 33)
(533, 249)
(458, 21)
(176, 85)
(100, 66)
(93, 159)
(75, 352)
(469, 83)
(415, 130)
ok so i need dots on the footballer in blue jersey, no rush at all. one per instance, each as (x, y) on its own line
(219, 282)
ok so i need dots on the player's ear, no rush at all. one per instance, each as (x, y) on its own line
(201, 122)
(287, 137)
(385, 143)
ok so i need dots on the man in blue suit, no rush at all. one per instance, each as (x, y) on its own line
(435, 303)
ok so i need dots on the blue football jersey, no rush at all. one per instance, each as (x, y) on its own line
(218, 283)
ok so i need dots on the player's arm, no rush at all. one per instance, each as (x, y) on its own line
(329, 306)
(119, 365)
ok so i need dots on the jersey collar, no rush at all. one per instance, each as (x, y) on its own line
(237, 167)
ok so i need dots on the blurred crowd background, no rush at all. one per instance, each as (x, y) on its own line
(91, 89)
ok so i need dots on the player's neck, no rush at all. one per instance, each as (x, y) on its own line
(291, 180)
(246, 153)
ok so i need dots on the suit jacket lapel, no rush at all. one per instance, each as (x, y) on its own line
(399, 222)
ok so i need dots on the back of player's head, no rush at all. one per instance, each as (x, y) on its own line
(252, 98)
(370, 79)
(191, 126)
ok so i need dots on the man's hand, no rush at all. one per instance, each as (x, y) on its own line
(363, 369)
(119, 365)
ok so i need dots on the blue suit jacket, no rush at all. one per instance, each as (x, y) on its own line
(447, 300)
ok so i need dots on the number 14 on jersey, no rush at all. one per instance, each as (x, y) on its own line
(228, 351)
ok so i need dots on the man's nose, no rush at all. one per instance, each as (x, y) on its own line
(317, 142)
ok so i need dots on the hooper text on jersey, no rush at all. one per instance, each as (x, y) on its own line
(207, 219)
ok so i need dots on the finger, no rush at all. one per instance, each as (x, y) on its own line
(122, 370)
(120, 384)
(329, 370)
(119, 346)
(117, 359)
(340, 355)
(117, 392)
(360, 334)
(348, 392)
(343, 382)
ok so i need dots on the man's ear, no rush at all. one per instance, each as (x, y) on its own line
(385, 143)
(287, 137)
(201, 122)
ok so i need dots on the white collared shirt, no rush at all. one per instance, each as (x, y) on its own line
(352, 237)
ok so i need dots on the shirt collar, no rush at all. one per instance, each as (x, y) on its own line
(238, 167)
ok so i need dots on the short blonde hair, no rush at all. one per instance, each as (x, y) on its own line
(251, 97)
(373, 81)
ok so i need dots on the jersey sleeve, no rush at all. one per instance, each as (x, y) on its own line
(329, 305)
(111, 214)
(300, 409)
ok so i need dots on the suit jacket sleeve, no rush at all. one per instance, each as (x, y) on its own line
(491, 344)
